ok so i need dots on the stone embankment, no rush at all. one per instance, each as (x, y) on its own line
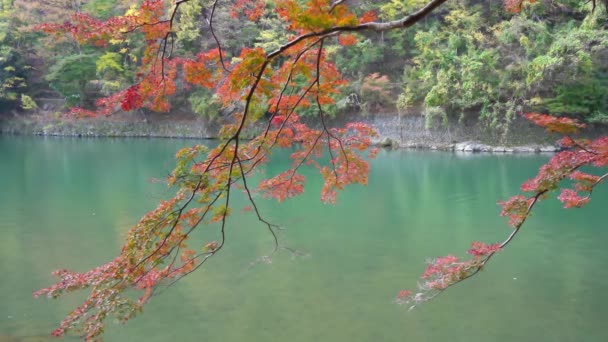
(107, 128)
(410, 132)
(394, 132)
(467, 146)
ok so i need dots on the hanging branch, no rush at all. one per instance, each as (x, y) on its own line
(445, 272)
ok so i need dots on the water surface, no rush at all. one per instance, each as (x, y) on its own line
(67, 203)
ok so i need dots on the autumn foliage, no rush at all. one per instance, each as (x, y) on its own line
(267, 89)
(515, 6)
(563, 167)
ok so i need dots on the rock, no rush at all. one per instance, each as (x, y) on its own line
(548, 148)
(472, 147)
(388, 142)
(499, 149)
(461, 146)
(525, 149)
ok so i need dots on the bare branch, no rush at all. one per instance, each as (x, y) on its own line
(217, 42)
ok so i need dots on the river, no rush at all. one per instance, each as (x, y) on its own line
(67, 203)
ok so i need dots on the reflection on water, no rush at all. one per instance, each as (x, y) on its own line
(69, 202)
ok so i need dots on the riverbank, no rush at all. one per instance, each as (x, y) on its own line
(94, 128)
(394, 132)
(411, 133)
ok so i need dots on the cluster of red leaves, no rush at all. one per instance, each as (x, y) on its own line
(132, 99)
(157, 84)
(516, 209)
(71, 281)
(278, 120)
(140, 266)
(203, 71)
(159, 74)
(444, 272)
(240, 78)
(515, 6)
(252, 10)
(312, 15)
(157, 80)
(86, 29)
(480, 249)
(83, 28)
(563, 165)
(368, 17)
(555, 124)
(347, 39)
(346, 165)
(283, 186)
(78, 112)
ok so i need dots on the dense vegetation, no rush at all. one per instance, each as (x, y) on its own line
(471, 60)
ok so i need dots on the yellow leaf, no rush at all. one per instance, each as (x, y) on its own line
(132, 11)
(116, 41)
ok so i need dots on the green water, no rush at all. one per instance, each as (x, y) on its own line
(68, 202)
